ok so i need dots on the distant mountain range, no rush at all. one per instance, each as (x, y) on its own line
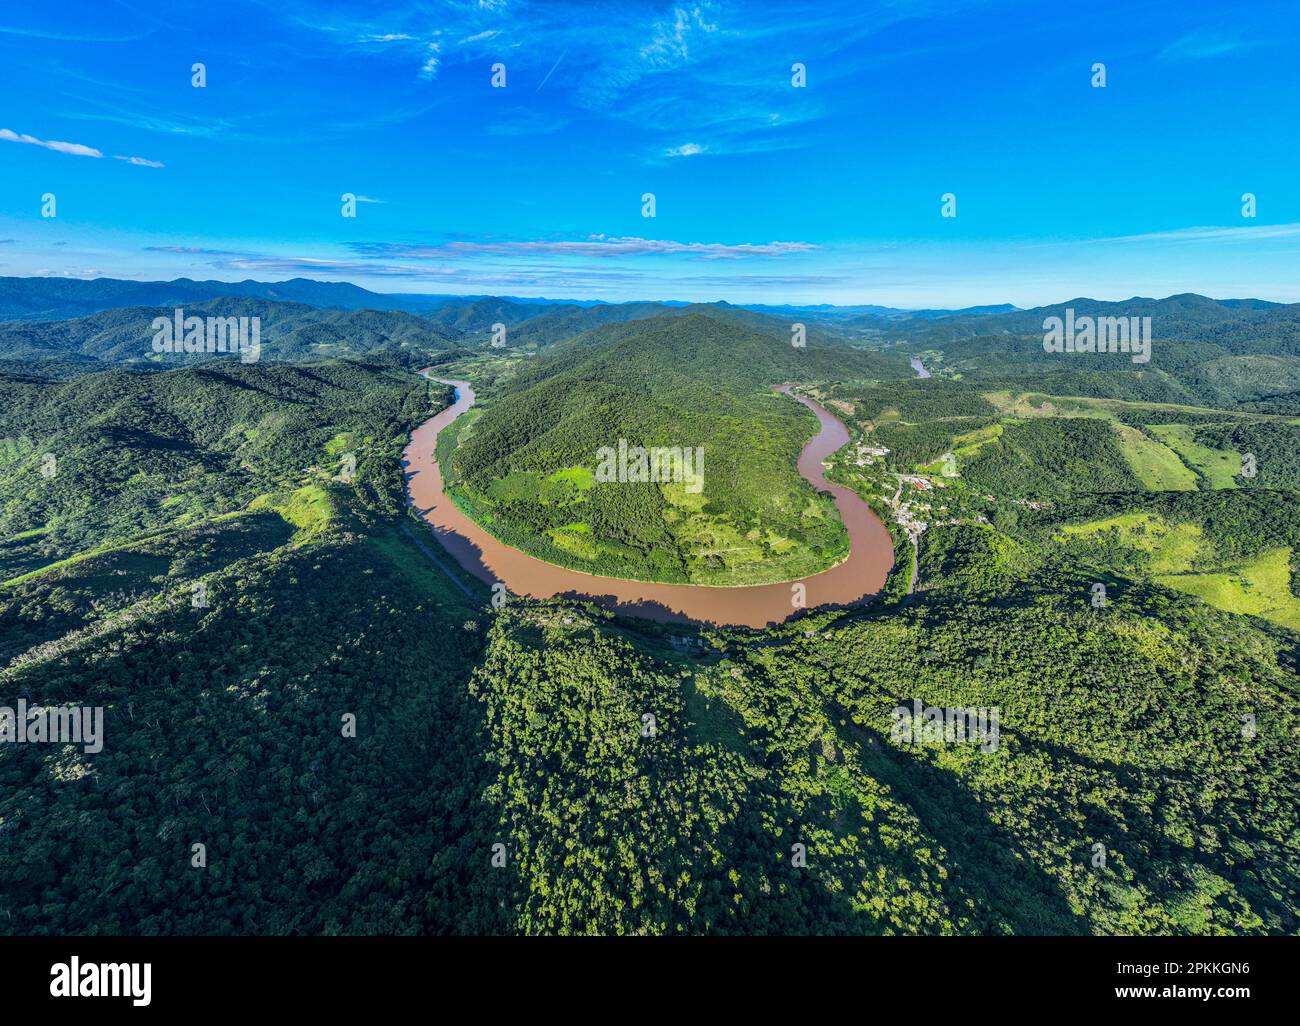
(61, 298)
(1206, 350)
(868, 314)
(64, 298)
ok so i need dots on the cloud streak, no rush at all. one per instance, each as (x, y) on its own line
(1210, 233)
(141, 161)
(70, 148)
(73, 149)
(593, 246)
(1202, 45)
(729, 62)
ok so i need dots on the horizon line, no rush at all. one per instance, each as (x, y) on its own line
(1013, 308)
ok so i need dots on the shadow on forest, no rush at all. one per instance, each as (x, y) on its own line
(991, 875)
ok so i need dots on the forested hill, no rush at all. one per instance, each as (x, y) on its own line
(690, 380)
(289, 331)
(136, 451)
(63, 298)
(477, 316)
(196, 565)
(1185, 318)
(561, 322)
(1203, 352)
(732, 349)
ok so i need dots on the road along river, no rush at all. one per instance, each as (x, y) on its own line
(862, 574)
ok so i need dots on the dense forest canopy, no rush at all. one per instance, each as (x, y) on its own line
(294, 677)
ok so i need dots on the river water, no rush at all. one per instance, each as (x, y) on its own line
(862, 574)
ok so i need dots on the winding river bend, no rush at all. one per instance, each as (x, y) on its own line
(862, 574)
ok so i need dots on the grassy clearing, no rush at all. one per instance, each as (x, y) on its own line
(563, 488)
(1038, 404)
(1169, 548)
(1219, 467)
(344, 441)
(675, 494)
(1035, 404)
(1155, 465)
(581, 478)
(1172, 553)
(309, 509)
(1260, 587)
(1170, 461)
(971, 442)
(575, 539)
(938, 469)
(710, 542)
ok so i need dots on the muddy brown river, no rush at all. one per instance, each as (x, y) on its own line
(862, 574)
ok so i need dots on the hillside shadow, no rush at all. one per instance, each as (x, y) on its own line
(991, 874)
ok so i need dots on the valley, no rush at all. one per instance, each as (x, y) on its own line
(229, 558)
(619, 469)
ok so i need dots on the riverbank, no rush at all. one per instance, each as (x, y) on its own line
(860, 576)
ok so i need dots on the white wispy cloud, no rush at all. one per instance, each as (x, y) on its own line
(141, 161)
(1212, 233)
(1201, 44)
(591, 246)
(305, 265)
(150, 122)
(430, 67)
(75, 149)
(715, 71)
(194, 251)
(671, 37)
(66, 37)
(578, 281)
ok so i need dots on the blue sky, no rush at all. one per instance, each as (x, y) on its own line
(764, 192)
